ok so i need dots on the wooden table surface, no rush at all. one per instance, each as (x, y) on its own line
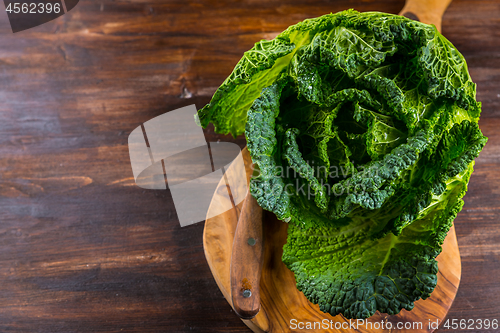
(82, 249)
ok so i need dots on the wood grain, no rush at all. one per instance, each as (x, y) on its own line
(426, 11)
(281, 302)
(82, 249)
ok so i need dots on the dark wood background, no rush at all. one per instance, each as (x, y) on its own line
(82, 249)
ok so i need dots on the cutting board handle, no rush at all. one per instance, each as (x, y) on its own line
(426, 11)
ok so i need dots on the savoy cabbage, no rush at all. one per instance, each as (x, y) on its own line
(364, 130)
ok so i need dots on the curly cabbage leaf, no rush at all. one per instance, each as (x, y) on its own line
(363, 127)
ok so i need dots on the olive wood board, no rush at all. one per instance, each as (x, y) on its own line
(282, 302)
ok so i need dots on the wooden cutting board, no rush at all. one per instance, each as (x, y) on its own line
(281, 302)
